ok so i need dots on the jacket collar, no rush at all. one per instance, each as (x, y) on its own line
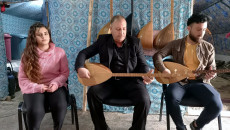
(201, 48)
(182, 45)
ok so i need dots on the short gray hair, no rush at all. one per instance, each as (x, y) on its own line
(116, 17)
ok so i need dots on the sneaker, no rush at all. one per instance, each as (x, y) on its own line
(192, 126)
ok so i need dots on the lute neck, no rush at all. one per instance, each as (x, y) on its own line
(215, 71)
(138, 75)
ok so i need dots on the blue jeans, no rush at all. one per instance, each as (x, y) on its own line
(205, 93)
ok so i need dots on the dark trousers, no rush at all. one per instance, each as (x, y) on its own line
(205, 93)
(130, 88)
(37, 104)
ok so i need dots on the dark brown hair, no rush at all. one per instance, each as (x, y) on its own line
(198, 18)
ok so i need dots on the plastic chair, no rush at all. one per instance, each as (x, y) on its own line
(71, 101)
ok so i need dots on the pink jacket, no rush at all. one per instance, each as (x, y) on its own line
(54, 70)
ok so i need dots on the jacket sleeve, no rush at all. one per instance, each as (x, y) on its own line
(64, 71)
(142, 65)
(211, 58)
(86, 54)
(26, 85)
(158, 57)
(211, 62)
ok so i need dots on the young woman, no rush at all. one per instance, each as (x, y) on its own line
(42, 77)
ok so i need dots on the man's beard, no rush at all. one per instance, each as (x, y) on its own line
(193, 38)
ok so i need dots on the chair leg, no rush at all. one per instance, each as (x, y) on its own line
(76, 118)
(20, 119)
(167, 118)
(168, 122)
(25, 120)
(74, 108)
(161, 107)
(72, 113)
(219, 122)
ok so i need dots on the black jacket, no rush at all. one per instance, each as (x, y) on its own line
(136, 62)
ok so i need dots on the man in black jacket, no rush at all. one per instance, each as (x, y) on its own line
(122, 54)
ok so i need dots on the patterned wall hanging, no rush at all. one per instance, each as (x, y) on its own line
(69, 22)
(69, 25)
(3, 75)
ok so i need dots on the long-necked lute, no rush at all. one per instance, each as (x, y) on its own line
(100, 73)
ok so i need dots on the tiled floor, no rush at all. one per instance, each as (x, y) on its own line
(116, 121)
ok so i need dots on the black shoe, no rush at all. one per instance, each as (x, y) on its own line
(182, 128)
(192, 126)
